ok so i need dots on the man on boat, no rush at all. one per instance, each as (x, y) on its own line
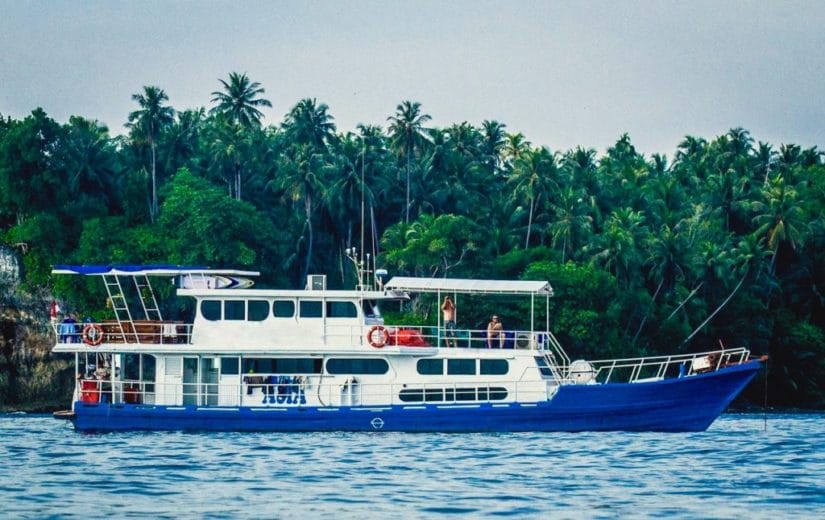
(448, 312)
(495, 330)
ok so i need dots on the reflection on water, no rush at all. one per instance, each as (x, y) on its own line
(733, 469)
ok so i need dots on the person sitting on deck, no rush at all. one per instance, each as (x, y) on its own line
(495, 330)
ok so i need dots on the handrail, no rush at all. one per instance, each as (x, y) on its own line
(688, 364)
(140, 332)
(308, 391)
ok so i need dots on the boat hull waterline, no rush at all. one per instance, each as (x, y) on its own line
(687, 404)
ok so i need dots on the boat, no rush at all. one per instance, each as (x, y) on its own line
(316, 359)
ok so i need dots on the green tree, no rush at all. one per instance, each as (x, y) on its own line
(407, 137)
(239, 101)
(146, 125)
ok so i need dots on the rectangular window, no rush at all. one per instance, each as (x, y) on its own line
(230, 366)
(258, 310)
(282, 365)
(234, 310)
(341, 310)
(371, 309)
(148, 362)
(357, 366)
(543, 367)
(311, 309)
(430, 367)
(412, 395)
(131, 367)
(433, 394)
(283, 309)
(465, 394)
(493, 367)
(461, 367)
(211, 310)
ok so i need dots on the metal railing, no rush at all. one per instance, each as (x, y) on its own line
(432, 336)
(139, 331)
(654, 368)
(308, 391)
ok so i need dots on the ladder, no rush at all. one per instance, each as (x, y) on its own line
(147, 298)
(120, 306)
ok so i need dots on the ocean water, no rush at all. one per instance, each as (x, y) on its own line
(736, 469)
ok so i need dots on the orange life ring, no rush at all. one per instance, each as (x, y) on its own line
(377, 336)
(93, 334)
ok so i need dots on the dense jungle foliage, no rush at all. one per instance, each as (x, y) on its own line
(722, 243)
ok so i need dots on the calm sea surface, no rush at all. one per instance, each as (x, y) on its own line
(734, 470)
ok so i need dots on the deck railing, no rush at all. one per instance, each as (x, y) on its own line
(654, 368)
(132, 332)
(308, 391)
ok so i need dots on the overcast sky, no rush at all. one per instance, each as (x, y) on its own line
(562, 73)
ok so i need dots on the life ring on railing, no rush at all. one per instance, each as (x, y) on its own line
(93, 334)
(377, 336)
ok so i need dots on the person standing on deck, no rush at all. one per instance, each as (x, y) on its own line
(448, 313)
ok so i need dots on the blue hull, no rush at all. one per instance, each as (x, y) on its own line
(675, 405)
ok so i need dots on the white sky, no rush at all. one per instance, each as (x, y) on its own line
(562, 73)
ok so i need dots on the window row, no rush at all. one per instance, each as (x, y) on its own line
(334, 366)
(259, 310)
(438, 395)
(463, 367)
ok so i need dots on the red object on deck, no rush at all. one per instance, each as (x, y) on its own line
(89, 391)
(131, 394)
(410, 338)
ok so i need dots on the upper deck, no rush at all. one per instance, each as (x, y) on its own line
(229, 317)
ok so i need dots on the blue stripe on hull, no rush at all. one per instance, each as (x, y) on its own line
(686, 404)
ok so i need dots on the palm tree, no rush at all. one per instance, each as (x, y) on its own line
(533, 181)
(765, 159)
(229, 146)
(618, 247)
(745, 258)
(89, 159)
(514, 146)
(301, 180)
(180, 144)
(408, 135)
(493, 143)
(146, 124)
(780, 217)
(310, 123)
(569, 221)
(239, 100)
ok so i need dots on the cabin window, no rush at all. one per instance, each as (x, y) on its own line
(282, 365)
(312, 309)
(461, 367)
(131, 367)
(230, 366)
(138, 367)
(371, 309)
(234, 310)
(430, 367)
(283, 309)
(451, 395)
(357, 366)
(341, 310)
(543, 367)
(211, 310)
(258, 310)
(493, 367)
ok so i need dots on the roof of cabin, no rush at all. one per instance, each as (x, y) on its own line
(147, 270)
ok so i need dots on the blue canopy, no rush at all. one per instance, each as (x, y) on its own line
(147, 270)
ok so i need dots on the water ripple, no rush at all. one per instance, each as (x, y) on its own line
(735, 469)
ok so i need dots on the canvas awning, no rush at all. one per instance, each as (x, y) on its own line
(469, 286)
(147, 270)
